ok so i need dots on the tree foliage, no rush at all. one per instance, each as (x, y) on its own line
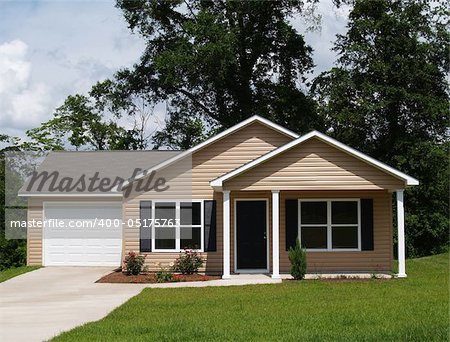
(388, 96)
(80, 123)
(12, 252)
(216, 63)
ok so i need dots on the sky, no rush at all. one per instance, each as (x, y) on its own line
(52, 49)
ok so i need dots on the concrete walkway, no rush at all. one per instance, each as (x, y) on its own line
(235, 280)
(41, 304)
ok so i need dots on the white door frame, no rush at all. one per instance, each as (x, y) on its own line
(256, 270)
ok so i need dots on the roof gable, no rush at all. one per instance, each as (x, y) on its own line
(218, 182)
(214, 139)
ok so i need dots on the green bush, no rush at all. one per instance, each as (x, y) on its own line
(134, 263)
(13, 253)
(163, 276)
(297, 257)
(188, 262)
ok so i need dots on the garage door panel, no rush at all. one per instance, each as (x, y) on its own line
(77, 210)
(90, 245)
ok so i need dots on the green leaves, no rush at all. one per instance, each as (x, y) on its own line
(79, 123)
(388, 96)
(219, 62)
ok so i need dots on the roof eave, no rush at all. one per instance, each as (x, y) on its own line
(70, 195)
(412, 181)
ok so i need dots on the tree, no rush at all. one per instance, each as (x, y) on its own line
(13, 251)
(78, 123)
(388, 96)
(181, 132)
(218, 62)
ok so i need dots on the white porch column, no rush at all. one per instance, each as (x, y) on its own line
(275, 234)
(401, 234)
(226, 234)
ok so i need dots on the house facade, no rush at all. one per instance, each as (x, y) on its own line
(250, 192)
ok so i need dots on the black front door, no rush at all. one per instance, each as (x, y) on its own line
(251, 239)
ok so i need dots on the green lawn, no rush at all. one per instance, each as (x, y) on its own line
(413, 309)
(14, 272)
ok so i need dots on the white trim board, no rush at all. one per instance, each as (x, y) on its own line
(209, 141)
(89, 194)
(218, 182)
(258, 270)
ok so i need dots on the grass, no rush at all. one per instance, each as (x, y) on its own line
(15, 271)
(413, 309)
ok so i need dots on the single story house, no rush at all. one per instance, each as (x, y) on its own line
(250, 191)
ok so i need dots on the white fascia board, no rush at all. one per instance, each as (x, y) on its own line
(209, 141)
(119, 195)
(218, 182)
(273, 125)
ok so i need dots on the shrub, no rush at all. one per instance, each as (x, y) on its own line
(297, 257)
(134, 263)
(188, 262)
(163, 276)
(13, 253)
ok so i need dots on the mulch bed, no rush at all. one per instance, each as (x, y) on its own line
(123, 278)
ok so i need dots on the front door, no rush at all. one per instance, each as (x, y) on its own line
(251, 234)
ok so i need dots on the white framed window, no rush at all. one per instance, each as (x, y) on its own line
(330, 224)
(177, 224)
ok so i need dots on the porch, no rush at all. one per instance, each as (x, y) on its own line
(257, 232)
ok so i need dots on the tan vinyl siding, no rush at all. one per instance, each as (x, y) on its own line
(34, 235)
(36, 211)
(208, 163)
(314, 165)
(380, 259)
(231, 152)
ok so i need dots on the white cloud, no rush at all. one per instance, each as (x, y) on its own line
(14, 71)
(334, 21)
(30, 106)
(22, 103)
(49, 50)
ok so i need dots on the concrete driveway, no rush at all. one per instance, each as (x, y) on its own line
(39, 305)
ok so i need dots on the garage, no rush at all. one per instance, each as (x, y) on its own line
(82, 234)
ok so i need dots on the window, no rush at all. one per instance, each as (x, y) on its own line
(313, 218)
(177, 225)
(165, 225)
(344, 224)
(330, 224)
(190, 225)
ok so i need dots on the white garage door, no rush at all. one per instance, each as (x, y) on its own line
(82, 234)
